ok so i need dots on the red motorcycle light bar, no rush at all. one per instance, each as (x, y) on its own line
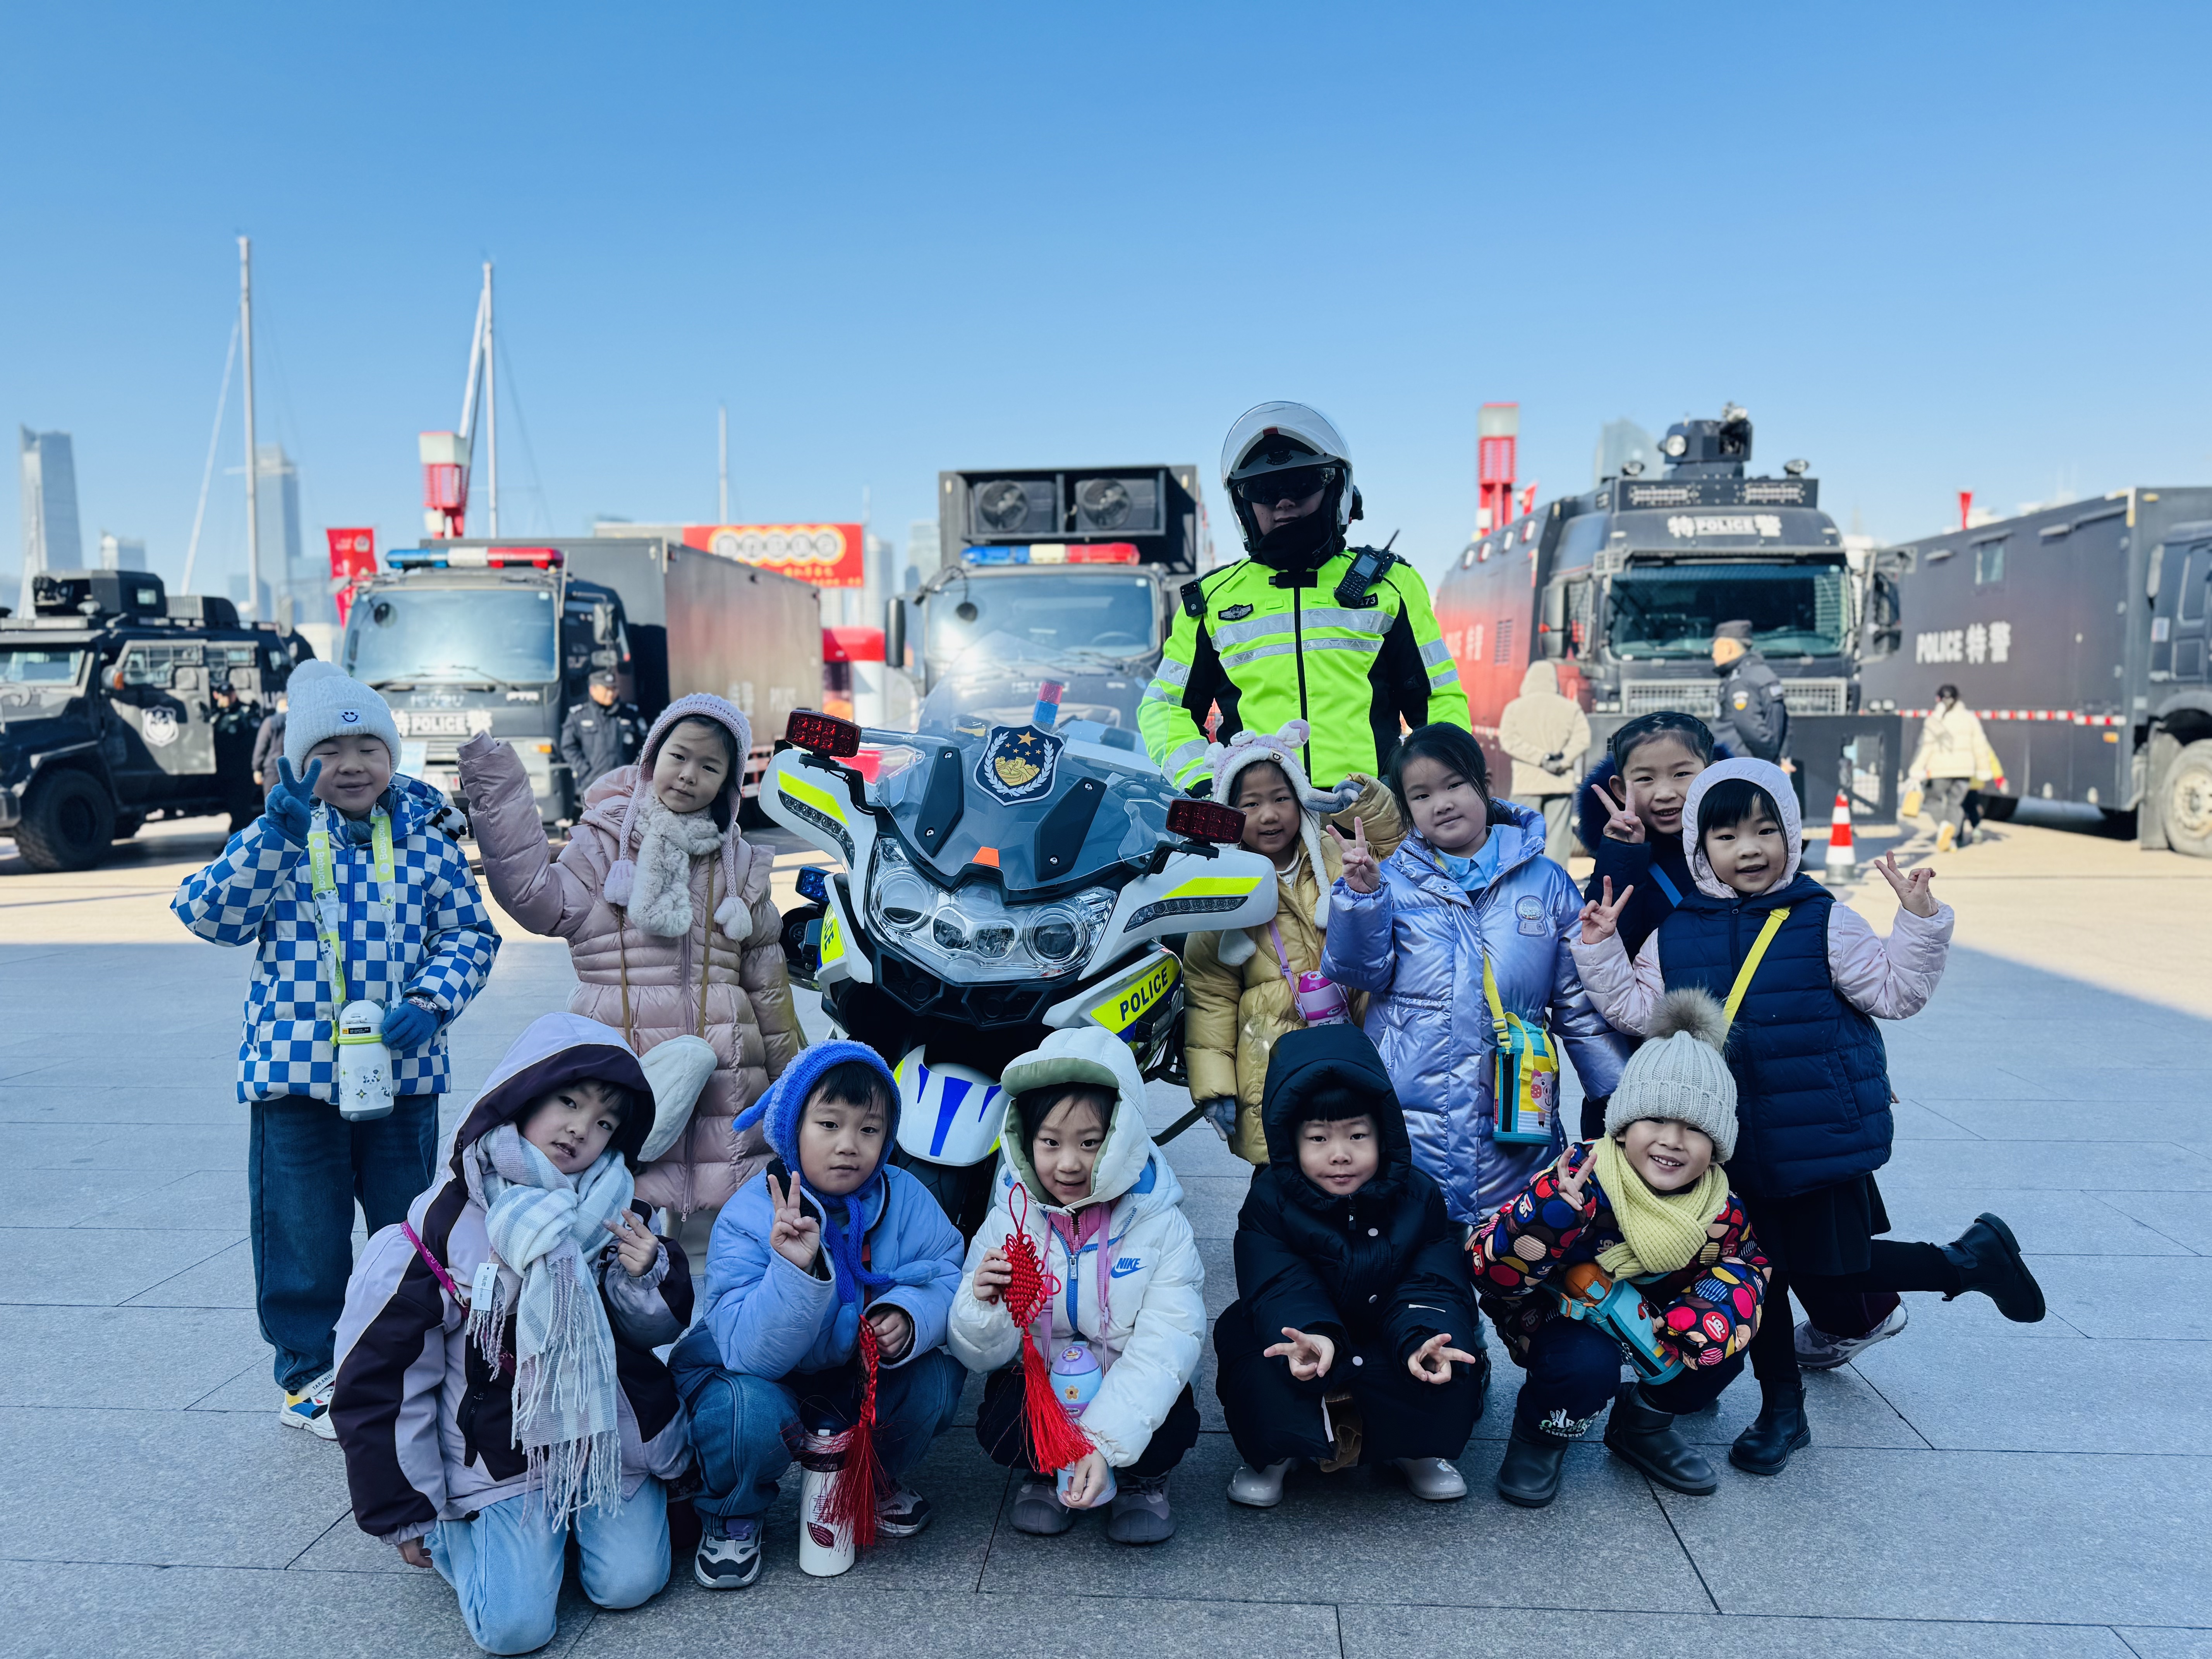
(1205, 820)
(825, 734)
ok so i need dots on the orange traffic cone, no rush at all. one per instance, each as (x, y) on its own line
(1842, 862)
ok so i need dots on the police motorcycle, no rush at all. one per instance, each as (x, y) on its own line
(999, 881)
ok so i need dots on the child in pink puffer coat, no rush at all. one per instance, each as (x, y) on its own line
(666, 912)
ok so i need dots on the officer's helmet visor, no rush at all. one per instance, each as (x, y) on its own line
(1290, 483)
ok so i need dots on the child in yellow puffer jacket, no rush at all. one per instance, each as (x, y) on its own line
(1241, 987)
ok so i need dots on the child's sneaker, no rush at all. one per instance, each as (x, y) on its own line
(1259, 1489)
(1140, 1513)
(902, 1512)
(310, 1408)
(732, 1560)
(1817, 1351)
(1037, 1508)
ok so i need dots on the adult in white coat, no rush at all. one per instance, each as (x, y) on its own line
(1954, 756)
(1132, 1288)
(1545, 734)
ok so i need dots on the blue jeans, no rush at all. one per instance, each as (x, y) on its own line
(739, 1423)
(306, 1166)
(506, 1564)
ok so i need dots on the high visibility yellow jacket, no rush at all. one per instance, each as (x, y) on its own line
(1272, 646)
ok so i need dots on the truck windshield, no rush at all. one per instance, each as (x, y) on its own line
(454, 635)
(1794, 610)
(1114, 616)
(37, 675)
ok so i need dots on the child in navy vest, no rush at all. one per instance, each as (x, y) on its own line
(1811, 976)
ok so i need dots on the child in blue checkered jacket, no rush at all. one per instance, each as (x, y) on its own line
(407, 930)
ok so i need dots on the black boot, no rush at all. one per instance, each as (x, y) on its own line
(1988, 1259)
(1530, 1476)
(1779, 1429)
(1644, 1437)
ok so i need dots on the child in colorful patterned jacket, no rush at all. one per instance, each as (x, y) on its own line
(1648, 1205)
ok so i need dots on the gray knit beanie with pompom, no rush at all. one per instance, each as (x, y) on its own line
(1678, 1073)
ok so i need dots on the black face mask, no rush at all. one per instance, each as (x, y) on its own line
(1301, 543)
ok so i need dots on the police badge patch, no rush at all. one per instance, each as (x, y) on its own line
(1018, 763)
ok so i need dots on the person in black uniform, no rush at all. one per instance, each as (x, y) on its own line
(236, 724)
(600, 735)
(1753, 721)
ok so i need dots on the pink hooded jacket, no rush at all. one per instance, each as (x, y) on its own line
(731, 990)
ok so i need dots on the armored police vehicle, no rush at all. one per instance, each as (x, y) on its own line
(108, 715)
(1072, 573)
(2078, 634)
(1620, 589)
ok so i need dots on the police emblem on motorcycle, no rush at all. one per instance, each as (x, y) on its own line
(1017, 763)
(160, 727)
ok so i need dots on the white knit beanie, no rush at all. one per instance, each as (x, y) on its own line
(1678, 1073)
(325, 704)
(1227, 761)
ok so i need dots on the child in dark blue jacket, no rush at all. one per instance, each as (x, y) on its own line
(826, 1236)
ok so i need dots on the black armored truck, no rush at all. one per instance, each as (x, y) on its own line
(110, 714)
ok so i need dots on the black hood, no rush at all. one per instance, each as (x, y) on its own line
(1302, 1064)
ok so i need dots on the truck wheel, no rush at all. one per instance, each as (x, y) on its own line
(2188, 788)
(68, 823)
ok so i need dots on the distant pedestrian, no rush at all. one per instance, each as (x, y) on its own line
(351, 887)
(268, 744)
(670, 924)
(1754, 719)
(236, 724)
(1546, 735)
(1808, 977)
(1953, 758)
(600, 735)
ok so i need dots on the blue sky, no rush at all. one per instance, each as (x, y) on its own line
(1930, 247)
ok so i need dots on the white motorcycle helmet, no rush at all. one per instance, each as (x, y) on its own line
(1282, 437)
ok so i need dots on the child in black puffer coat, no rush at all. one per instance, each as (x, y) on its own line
(1354, 1338)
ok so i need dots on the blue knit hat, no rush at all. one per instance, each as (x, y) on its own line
(779, 1111)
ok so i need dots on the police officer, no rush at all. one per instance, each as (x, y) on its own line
(1754, 720)
(235, 724)
(600, 735)
(1305, 627)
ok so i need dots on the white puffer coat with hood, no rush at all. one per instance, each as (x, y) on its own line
(1148, 1329)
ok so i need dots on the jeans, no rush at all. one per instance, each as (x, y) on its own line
(1574, 1369)
(741, 1425)
(1946, 800)
(306, 1166)
(506, 1564)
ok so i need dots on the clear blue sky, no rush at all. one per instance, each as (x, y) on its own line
(1930, 247)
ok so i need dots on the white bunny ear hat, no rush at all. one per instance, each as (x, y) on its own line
(1249, 748)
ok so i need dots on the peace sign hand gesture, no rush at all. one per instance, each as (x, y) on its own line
(1601, 921)
(1310, 1356)
(1620, 823)
(291, 806)
(1915, 890)
(1432, 1361)
(796, 1235)
(1361, 872)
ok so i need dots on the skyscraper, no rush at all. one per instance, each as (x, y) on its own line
(289, 579)
(51, 539)
(121, 552)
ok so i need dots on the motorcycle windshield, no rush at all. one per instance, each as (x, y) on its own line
(1043, 809)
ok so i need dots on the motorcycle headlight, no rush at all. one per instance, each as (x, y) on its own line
(973, 934)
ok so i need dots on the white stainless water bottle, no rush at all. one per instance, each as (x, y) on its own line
(364, 1063)
(825, 1549)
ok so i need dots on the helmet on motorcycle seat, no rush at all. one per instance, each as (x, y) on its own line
(1293, 439)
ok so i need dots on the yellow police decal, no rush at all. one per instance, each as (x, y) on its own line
(1135, 1000)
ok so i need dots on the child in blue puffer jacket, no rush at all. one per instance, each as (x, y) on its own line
(826, 1236)
(1470, 884)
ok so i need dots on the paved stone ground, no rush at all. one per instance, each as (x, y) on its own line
(1974, 1487)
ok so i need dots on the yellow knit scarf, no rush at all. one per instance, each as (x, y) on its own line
(1660, 1232)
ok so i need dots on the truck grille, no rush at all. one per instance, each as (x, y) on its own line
(1697, 696)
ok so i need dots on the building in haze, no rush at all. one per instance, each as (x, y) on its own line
(1623, 441)
(52, 538)
(121, 552)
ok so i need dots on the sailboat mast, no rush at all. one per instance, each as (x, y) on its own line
(252, 471)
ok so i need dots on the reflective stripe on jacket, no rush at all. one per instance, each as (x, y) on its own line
(1269, 655)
